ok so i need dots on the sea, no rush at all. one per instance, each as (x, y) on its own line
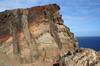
(89, 42)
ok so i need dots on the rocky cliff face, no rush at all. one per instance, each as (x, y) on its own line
(36, 33)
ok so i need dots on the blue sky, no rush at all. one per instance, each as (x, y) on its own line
(81, 16)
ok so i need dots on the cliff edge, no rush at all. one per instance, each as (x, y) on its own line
(35, 34)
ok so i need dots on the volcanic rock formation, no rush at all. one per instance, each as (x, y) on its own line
(37, 33)
(81, 57)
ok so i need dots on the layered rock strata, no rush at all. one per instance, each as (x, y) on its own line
(81, 57)
(36, 33)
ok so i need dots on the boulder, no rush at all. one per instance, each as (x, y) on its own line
(81, 57)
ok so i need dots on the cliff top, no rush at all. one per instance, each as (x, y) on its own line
(34, 14)
(36, 9)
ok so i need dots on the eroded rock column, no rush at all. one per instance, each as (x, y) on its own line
(33, 53)
(53, 29)
(14, 33)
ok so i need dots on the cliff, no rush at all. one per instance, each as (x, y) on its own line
(35, 34)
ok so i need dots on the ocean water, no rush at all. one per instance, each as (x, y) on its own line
(89, 42)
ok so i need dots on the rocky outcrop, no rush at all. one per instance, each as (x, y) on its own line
(36, 33)
(81, 57)
(6, 60)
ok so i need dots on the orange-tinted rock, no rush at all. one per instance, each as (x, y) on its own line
(36, 33)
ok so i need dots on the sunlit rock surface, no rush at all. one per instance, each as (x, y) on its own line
(35, 34)
(81, 57)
